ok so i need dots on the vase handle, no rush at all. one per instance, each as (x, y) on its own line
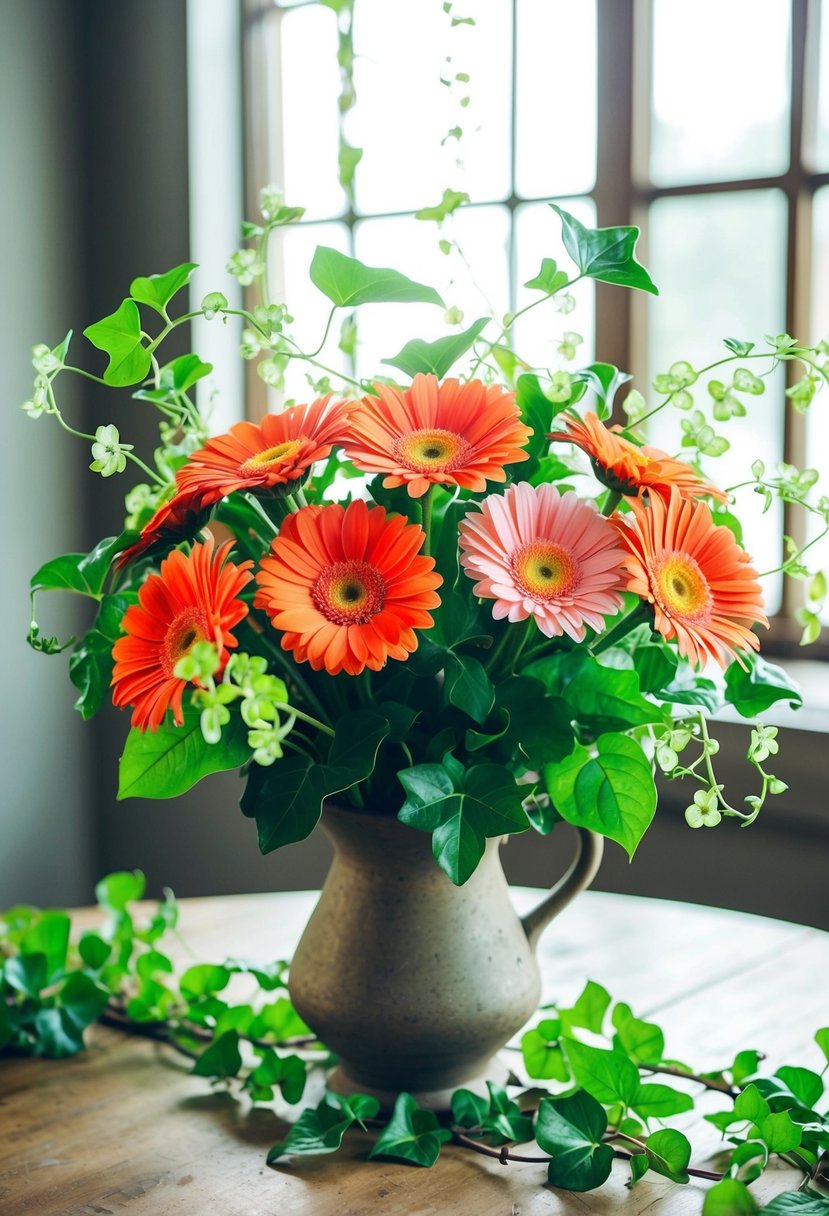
(580, 875)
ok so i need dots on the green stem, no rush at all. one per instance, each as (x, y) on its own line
(611, 502)
(254, 502)
(513, 318)
(641, 613)
(303, 717)
(508, 651)
(427, 504)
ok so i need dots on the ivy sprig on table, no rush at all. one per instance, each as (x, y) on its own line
(594, 1098)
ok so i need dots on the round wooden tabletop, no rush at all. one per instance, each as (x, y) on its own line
(124, 1127)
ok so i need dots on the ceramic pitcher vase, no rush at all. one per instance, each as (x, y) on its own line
(416, 983)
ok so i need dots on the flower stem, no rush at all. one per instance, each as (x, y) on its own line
(427, 520)
(642, 612)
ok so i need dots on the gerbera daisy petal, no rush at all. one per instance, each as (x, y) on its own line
(364, 584)
(543, 555)
(193, 598)
(437, 434)
(704, 591)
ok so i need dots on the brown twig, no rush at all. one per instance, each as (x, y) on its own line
(116, 1015)
(669, 1070)
(502, 1154)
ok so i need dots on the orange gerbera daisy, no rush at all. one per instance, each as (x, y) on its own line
(701, 583)
(265, 459)
(192, 599)
(348, 587)
(622, 466)
(446, 434)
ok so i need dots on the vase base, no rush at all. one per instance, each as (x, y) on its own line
(437, 1100)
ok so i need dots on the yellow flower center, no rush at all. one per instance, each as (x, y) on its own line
(431, 451)
(544, 570)
(189, 627)
(681, 587)
(281, 453)
(349, 593)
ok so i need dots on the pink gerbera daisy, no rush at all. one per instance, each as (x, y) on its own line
(538, 553)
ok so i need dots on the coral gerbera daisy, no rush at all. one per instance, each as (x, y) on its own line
(622, 466)
(192, 599)
(265, 459)
(542, 554)
(348, 587)
(700, 582)
(446, 434)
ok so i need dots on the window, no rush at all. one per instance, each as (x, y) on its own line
(706, 124)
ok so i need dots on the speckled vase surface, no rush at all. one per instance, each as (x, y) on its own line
(416, 983)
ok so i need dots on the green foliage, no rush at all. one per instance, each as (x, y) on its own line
(119, 336)
(166, 762)
(669, 1152)
(348, 283)
(322, 1130)
(571, 1129)
(411, 1134)
(157, 290)
(439, 356)
(549, 278)
(755, 685)
(604, 253)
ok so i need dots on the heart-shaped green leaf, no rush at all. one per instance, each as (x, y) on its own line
(157, 290)
(119, 336)
(348, 282)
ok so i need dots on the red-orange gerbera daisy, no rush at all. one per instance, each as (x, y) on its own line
(192, 599)
(622, 466)
(348, 587)
(449, 434)
(701, 583)
(263, 459)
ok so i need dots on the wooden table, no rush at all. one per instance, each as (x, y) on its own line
(124, 1128)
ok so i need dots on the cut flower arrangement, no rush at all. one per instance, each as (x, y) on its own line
(417, 595)
(456, 606)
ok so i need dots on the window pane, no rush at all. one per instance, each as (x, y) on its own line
(719, 262)
(403, 111)
(555, 127)
(291, 251)
(720, 90)
(817, 420)
(818, 154)
(538, 235)
(411, 246)
(301, 48)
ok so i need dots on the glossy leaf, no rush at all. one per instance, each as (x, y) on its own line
(571, 1130)
(166, 762)
(221, 1058)
(182, 373)
(505, 1121)
(605, 698)
(612, 792)
(411, 1134)
(541, 1050)
(604, 253)
(119, 336)
(779, 1132)
(83, 573)
(92, 662)
(608, 1075)
(730, 1197)
(643, 1041)
(748, 1161)
(348, 282)
(58, 1034)
(589, 1010)
(286, 798)
(669, 1153)
(157, 290)
(751, 692)
(796, 1203)
(316, 1131)
(439, 356)
(469, 687)
(469, 1109)
(657, 1101)
(549, 278)
(750, 1104)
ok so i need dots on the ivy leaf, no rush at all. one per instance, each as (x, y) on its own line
(119, 336)
(751, 692)
(639, 1166)
(612, 792)
(286, 798)
(94, 951)
(288, 1072)
(541, 1050)
(669, 1153)
(644, 1042)
(796, 1203)
(730, 1197)
(436, 357)
(222, 1057)
(741, 349)
(604, 253)
(745, 1065)
(322, 1130)
(540, 725)
(26, 973)
(82, 1000)
(91, 662)
(116, 890)
(166, 762)
(589, 1009)
(348, 282)
(468, 686)
(452, 199)
(203, 979)
(83, 573)
(488, 804)
(469, 1109)
(604, 698)
(779, 1132)
(748, 1161)
(656, 1101)
(411, 1134)
(49, 936)
(58, 1034)
(570, 1130)
(608, 1075)
(182, 373)
(157, 290)
(505, 1122)
(750, 1104)
(549, 278)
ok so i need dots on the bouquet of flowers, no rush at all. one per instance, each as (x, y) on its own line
(413, 592)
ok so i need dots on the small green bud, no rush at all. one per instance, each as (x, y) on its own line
(453, 316)
(214, 302)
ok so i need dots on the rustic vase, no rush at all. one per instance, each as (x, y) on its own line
(413, 982)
